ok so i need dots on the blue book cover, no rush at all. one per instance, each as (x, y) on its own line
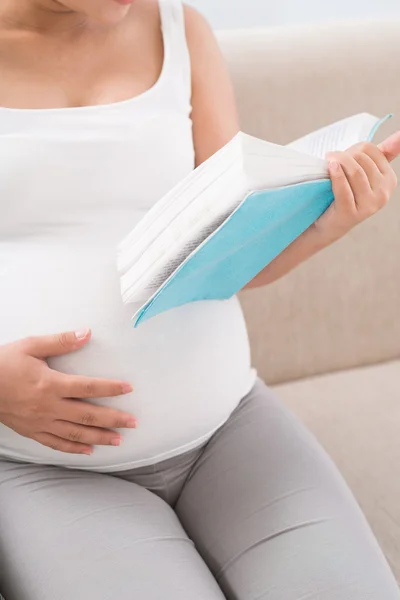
(259, 229)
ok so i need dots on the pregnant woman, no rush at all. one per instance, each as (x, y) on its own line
(147, 464)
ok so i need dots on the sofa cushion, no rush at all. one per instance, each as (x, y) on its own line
(356, 417)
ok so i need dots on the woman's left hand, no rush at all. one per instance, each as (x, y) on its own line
(362, 183)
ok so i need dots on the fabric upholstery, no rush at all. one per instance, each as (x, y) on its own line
(341, 308)
(355, 415)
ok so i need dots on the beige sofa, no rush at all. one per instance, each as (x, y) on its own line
(327, 336)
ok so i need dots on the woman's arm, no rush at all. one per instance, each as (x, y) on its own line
(214, 115)
(362, 183)
(362, 178)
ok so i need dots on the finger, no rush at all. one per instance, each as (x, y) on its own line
(93, 436)
(84, 413)
(374, 175)
(344, 199)
(374, 153)
(382, 163)
(391, 146)
(60, 445)
(76, 386)
(54, 345)
(356, 176)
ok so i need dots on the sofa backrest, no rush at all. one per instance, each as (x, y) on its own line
(342, 308)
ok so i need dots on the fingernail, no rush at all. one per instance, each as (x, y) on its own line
(88, 452)
(116, 441)
(81, 334)
(126, 388)
(131, 423)
(334, 166)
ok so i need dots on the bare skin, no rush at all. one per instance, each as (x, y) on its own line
(71, 53)
(42, 404)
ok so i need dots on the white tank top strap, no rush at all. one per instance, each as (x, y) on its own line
(176, 51)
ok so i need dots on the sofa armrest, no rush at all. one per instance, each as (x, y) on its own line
(341, 308)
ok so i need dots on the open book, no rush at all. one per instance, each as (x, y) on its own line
(220, 226)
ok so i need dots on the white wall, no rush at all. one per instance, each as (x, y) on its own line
(250, 13)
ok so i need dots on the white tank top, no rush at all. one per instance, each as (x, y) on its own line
(73, 183)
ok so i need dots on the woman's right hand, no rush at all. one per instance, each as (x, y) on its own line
(49, 407)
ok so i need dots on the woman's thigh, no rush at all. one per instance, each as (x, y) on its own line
(71, 535)
(273, 518)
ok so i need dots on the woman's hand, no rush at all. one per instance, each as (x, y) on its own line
(362, 183)
(47, 406)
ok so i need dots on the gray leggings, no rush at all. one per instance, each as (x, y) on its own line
(259, 513)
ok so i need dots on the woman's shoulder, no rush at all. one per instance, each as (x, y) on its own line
(214, 114)
(198, 30)
(206, 57)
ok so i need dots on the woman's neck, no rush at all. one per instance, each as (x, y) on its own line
(39, 15)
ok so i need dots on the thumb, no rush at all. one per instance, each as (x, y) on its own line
(54, 345)
(391, 146)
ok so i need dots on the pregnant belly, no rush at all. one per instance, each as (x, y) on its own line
(189, 367)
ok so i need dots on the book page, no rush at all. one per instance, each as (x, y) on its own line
(151, 285)
(193, 210)
(270, 165)
(338, 136)
(177, 241)
(183, 197)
